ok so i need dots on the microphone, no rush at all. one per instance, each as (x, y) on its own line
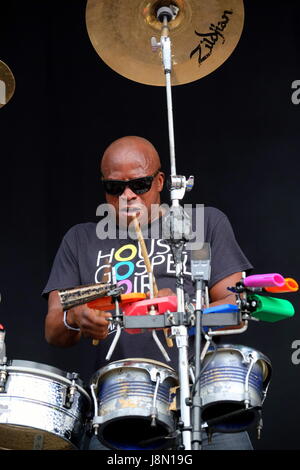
(200, 263)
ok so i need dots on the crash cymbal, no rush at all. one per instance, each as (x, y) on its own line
(204, 34)
(7, 84)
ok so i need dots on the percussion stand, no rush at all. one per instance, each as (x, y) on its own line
(200, 269)
(178, 229)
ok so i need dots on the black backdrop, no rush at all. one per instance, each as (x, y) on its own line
(236, 131)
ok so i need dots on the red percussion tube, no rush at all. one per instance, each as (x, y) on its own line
(264, 280)
(143, 307)
(290, 285)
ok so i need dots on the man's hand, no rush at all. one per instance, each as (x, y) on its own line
(92, 323)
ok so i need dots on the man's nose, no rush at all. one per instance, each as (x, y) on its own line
(128, 194)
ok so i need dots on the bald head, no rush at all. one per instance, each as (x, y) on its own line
(132, 158)
(127, 153)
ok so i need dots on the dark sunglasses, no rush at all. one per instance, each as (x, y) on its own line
(137, 185)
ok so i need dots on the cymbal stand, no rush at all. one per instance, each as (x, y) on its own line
(178, 228)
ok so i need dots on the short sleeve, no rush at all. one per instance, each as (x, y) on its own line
(65, 270)
(226, 255)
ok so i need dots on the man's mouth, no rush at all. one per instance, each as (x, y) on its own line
(131, 210)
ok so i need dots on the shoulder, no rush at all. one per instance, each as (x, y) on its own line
(216, 223)
(210, 213)
(214, 214)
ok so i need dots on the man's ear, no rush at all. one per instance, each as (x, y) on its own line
(161, 180)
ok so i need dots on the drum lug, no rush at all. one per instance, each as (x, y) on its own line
(251, 360)
(153, 374)
(38, 442)
(97, 420)
(70, 393)
(259, 426)
(154, 411)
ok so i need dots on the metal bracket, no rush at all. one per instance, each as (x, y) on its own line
(69, 398)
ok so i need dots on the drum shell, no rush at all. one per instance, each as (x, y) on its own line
(223, 385)
(33, 411)
(125, 392)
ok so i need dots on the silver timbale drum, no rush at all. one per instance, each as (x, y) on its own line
(234, 383)
(41, 407)
(133, 401)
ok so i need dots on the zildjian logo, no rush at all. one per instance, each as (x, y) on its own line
(208, 40)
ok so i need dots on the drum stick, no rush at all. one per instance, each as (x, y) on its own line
(144, 251)
(106, 270)
(145, 254)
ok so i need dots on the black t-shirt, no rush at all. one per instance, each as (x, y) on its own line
(82, 257)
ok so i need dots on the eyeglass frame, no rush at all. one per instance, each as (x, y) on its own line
(127, 183)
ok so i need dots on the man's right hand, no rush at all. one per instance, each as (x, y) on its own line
(92, 323)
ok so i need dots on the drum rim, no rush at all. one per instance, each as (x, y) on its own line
(164, 425)
(266, 363)
(22, 427)
(240, 348)
(46, 370)
(142, 359)
(135, 361)
(35, 365)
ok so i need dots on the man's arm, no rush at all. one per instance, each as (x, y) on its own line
(220, 295)
(91, 323)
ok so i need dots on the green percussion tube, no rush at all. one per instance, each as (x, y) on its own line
(270, 309)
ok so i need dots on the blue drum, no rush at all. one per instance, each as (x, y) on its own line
(133, 404)
(234, 383)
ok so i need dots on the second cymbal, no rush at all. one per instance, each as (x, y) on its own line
(7, 84)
